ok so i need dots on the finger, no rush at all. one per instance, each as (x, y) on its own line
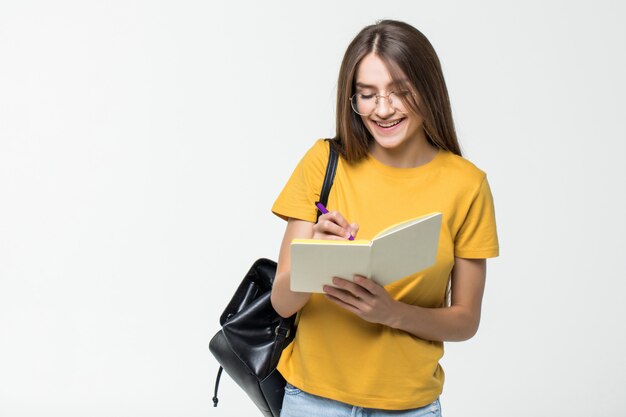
(338, 219)
(326, 229)
(353, 288)
(344, 296)
(336, 229)
(326, 236)
(329, 226)
(370, 286)
(354, 229)
(347, 306)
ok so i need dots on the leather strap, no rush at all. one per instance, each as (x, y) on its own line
(329, 177)
(217, 384)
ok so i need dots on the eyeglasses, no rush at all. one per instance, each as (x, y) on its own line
(365, 104)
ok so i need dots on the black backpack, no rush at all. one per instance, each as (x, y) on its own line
(253, 335)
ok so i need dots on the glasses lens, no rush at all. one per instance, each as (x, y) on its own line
(394, 100)
(363, 104)
(398, 100)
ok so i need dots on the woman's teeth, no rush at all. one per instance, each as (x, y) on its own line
(389, 124)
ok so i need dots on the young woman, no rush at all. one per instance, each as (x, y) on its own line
(361, 347)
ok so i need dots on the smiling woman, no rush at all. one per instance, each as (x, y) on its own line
(361, 345)
(396, 56)
(392, 119)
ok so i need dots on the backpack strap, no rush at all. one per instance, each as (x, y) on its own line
(329, 177)
(217, 385)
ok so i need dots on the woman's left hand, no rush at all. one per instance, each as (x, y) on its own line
(363, 297)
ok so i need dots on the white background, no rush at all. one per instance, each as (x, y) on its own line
(142, 144)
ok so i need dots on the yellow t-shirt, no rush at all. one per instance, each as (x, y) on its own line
(336, 354)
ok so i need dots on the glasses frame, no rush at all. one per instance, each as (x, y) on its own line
(377, 97)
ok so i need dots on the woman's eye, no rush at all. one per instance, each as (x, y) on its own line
(367, 96)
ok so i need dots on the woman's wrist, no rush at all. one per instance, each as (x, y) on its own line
(399, 314)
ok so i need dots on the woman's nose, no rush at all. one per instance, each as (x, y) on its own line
(384, 107)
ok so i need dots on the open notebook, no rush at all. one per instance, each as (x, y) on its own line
(396, 252)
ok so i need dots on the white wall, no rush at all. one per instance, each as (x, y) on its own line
(142, 144)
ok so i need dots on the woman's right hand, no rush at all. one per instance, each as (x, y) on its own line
(333, 226)
(329, 226)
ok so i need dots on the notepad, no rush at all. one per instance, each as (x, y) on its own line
(398, 251)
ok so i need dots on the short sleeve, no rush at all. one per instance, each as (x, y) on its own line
(298, 197)
(477, 237)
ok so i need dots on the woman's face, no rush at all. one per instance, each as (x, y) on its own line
(392, 126)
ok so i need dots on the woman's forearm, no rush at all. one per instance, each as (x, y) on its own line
(447, 324)
(455, 323)
(287, 302)
(370, 301)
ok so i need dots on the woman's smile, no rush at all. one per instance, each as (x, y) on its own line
(388, 126)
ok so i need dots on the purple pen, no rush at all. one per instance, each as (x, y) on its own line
(324, 211)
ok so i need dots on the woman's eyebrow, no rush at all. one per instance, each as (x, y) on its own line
(392, 83)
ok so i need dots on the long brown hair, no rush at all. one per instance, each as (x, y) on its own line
(405, 50)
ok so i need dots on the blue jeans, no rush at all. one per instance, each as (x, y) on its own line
(298, 403)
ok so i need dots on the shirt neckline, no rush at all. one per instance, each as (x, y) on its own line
(406, 172)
